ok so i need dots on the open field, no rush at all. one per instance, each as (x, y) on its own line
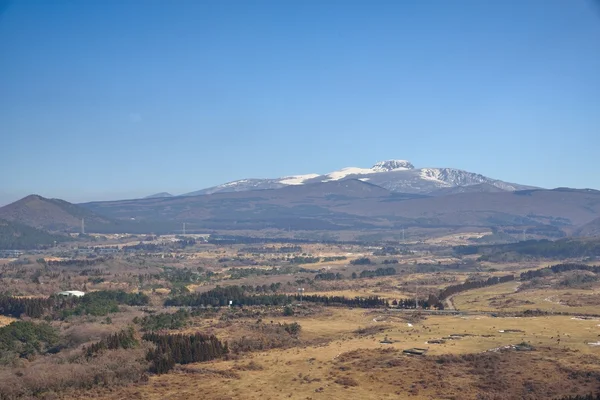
(507, 297)
(337, 367)
(329, 348)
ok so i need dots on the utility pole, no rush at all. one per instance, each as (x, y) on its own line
(300, 292)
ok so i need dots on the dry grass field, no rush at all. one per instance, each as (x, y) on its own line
(507, 297)
(343, 362)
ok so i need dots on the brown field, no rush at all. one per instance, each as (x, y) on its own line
(506, 297)
(5, 320)
(345, 364)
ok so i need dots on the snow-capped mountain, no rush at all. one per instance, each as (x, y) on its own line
(395, 175)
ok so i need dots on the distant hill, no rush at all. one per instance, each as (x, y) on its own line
(15, 236)
(159, 195)
(50, 214)
(354, 204)
(57, 215)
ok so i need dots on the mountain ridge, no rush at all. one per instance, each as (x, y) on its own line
(394, 175)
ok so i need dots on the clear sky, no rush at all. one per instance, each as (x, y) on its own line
(118, 99)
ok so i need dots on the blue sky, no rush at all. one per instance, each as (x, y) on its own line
(118, 99)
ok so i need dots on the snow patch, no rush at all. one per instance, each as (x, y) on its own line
(344, 172)
(297, 179)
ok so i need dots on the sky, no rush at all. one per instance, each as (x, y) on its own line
(121, 99)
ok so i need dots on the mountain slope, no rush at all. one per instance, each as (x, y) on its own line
(394, 175)
(15, 236)
(592, 228)
(50, 214)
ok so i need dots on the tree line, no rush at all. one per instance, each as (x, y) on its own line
(74, 262)
(33, 307)
(239, 296)
(451, 290)
(557, 269)
(378, 272)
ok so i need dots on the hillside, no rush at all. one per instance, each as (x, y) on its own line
(15, 236)
(592, 228)
(50, 214)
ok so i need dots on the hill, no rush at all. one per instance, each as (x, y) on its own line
(15, 236)
(50, 214)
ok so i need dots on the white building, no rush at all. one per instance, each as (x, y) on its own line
(75, 293)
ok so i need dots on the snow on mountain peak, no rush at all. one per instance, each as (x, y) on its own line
(391, 165)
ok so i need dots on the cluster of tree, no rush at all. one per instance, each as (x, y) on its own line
(431, 302)
(124, 339)
(271, 250)
(73, 262)
(160, 321)
(180, 275)
(361, 261)
(563, 248)
(556, 269)
(304, 260)
(238, 273)
(390, 251)
(221, 296)
(25, 338)
(15, 236)
(393, 261)
(182, 349)
(273, 287)
(581, 397)
(378, 272)
(334, 258)
(156, 247)
(328, 276)
(451, 290)
(231, 239)
(33, 307)
(360, 302)
(103, 302)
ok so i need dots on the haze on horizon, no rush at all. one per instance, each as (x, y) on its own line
(109, 100)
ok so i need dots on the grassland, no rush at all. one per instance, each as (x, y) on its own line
(335, 367)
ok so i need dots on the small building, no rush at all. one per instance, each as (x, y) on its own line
(75, 293)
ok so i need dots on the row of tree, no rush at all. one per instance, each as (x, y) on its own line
(221, 296)
(558, 268)
(451, 290)
(378, 272)
(74, 262)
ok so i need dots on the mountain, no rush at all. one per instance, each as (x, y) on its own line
(352, 204)
(159, 195)
(395, 175)
(50, 214)
(15, 236)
